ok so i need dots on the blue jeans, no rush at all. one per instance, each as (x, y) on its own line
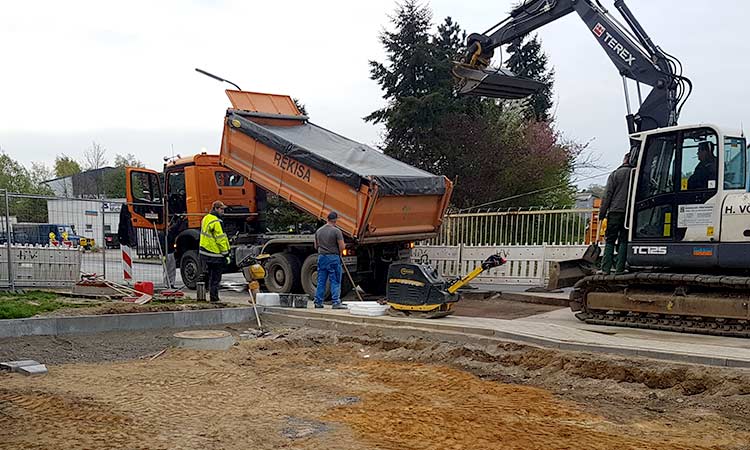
(329, 268)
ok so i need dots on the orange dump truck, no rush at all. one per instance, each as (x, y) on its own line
(268, 146)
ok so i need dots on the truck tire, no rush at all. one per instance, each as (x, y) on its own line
(283, 273)
(309, 277)
(190, 268)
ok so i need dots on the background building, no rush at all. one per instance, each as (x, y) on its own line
(89, 184)
(90, 218)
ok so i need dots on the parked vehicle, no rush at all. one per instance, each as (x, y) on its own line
(44, 233)
(111, 240)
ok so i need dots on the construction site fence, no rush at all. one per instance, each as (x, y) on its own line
(49, 242)
(527, 227)
(528, 265)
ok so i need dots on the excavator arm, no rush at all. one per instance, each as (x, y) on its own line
(631, 51)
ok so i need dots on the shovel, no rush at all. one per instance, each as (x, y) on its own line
(357, 290)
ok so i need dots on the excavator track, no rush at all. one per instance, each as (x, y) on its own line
(686, 303)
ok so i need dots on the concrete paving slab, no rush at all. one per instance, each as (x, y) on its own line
(565, 317)
(14, 365)
(35, 370)
(690, 349)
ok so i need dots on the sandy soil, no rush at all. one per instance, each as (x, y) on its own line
(307, 389)
(498, 308)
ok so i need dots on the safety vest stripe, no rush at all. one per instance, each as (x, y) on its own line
(210, 254)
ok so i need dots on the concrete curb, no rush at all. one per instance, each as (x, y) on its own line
(464, 335)
(123, 322)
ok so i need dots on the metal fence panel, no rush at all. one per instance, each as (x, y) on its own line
(519, 227)
(527, 265)
(52, 241)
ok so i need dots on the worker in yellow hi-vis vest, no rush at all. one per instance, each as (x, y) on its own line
(214, 248)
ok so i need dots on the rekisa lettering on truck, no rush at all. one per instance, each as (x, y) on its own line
(292, 166)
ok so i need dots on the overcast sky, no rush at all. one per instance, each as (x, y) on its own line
(78, 71)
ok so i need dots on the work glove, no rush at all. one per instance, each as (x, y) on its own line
(603, 227)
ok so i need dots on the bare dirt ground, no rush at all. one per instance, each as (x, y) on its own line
(116, 307)
(498, 308)
(307, 389)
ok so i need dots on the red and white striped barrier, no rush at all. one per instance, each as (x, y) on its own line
(127, 263)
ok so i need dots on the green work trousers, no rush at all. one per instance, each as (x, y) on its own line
(616, 235)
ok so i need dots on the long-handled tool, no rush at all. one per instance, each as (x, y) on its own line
(252, 300)
(162, 257)
(357, 290)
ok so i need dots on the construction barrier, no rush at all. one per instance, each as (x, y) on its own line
(41, 266)
(127, 263)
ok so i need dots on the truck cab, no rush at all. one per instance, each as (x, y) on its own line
(184, 192)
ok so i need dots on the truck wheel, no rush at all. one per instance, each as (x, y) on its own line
(283, 273)
(190, 268)
(309, 276)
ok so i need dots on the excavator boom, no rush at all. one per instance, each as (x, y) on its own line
(631, 50)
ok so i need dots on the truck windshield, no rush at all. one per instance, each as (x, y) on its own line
(735, 163)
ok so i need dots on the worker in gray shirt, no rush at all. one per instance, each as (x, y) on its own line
(329, 242)
(613, 209)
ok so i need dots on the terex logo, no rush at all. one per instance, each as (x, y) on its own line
(599, 30)
(621, 51)
(638, 250)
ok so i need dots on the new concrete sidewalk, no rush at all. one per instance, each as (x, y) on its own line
(543, 334)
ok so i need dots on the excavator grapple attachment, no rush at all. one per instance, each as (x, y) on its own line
(493, 83)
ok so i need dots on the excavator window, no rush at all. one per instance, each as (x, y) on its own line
(653, 208)
(735, 163)
(658, 163)
(699, 161)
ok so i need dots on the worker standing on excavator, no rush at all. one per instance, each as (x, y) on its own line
(613, 210)
(214, 248)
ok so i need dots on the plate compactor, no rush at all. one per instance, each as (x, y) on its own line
(418, 289)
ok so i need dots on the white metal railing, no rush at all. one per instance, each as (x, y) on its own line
(519, 227)
(527, 264)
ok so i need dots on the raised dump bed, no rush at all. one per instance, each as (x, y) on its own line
(377, 198)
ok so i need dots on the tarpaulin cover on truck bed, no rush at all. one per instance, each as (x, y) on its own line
(342, 159)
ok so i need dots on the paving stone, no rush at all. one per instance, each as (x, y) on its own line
(36, 370)
(14, 365)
